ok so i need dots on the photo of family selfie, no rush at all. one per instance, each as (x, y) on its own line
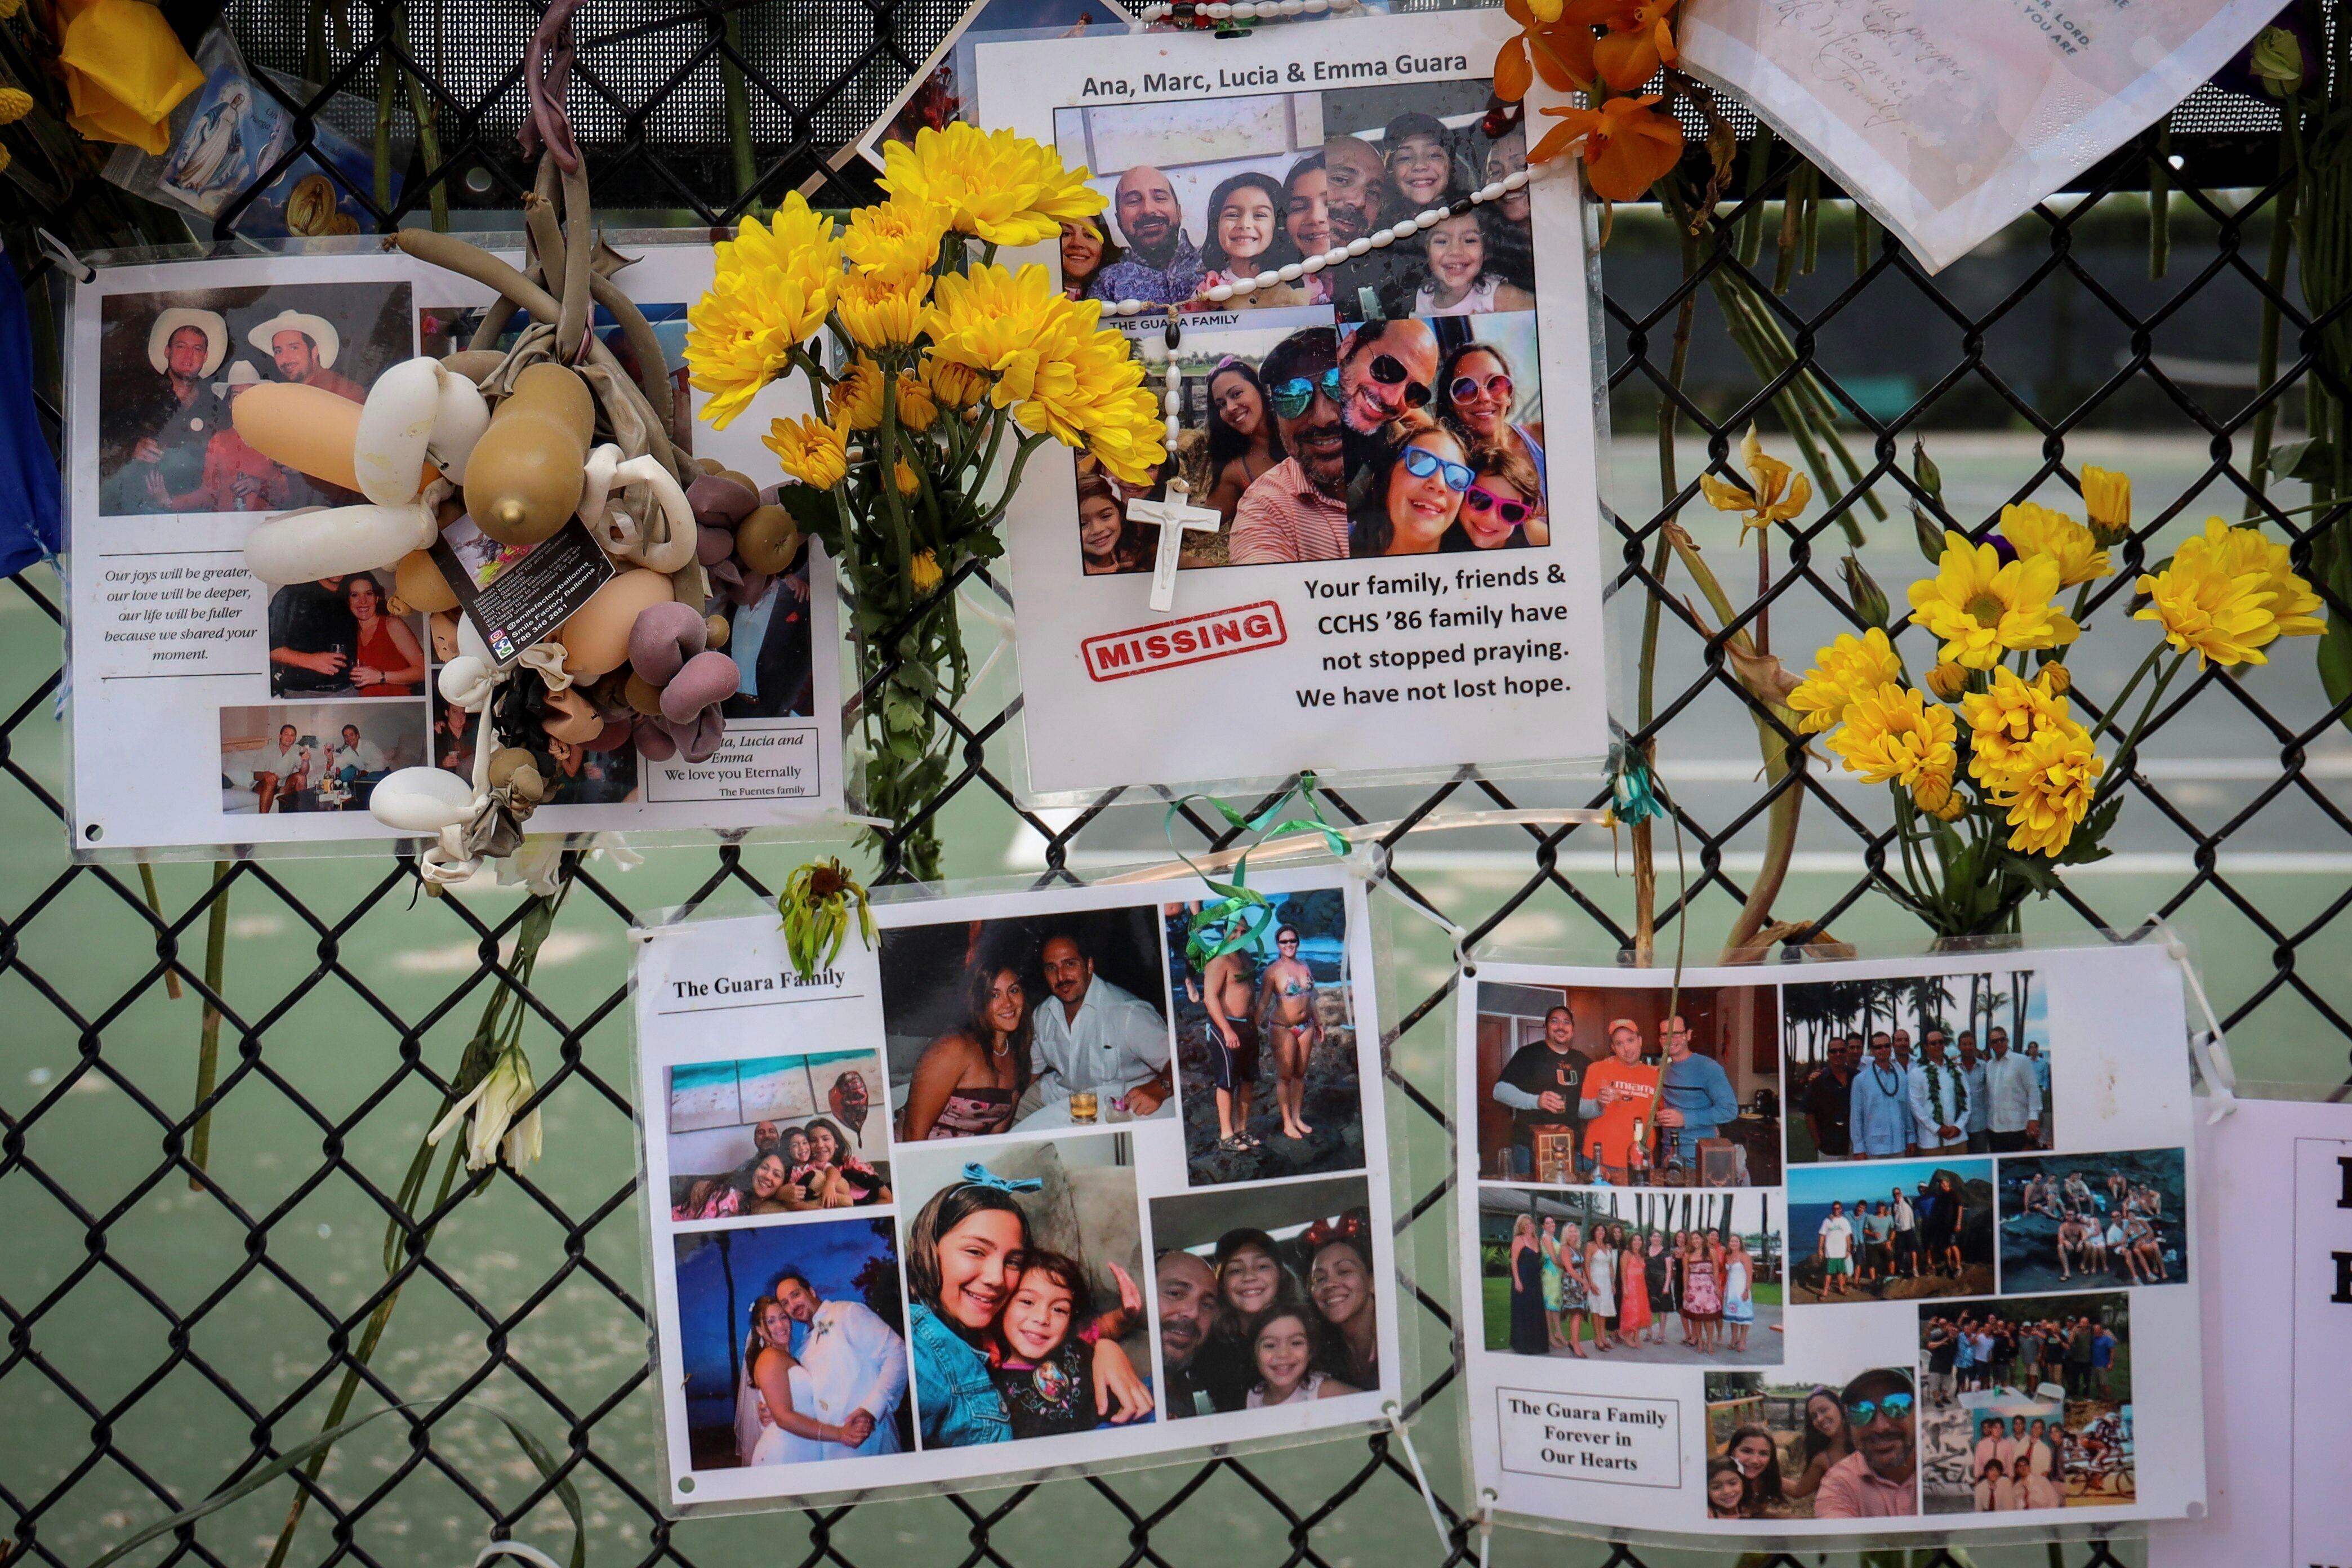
(780, 1134)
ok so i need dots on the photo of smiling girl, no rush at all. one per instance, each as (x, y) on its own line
(1106, 539)
(1242, 441)
(1246, 236)
(1462, 275)
(1505, 506)
(1415, 491)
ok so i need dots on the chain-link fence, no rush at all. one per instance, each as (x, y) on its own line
(186, 1279)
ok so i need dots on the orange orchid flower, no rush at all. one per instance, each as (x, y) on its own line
(1555, 41)
(1639, 40)
(1627, 145)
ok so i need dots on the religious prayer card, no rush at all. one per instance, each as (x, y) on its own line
(210, 709)
(1948, 118)
(2278, 1251)
(1043, 1182)
(1833, 1249)
(1373, 550)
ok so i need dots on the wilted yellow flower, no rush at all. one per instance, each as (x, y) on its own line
(809, 449)
(2107, 500)
(772, 288)
(1843, 671)
(15, 102)
(2038, 530)
(1947, 680)
(1002, 187)
(924, 569)
(1895, 735)
(1983, 609)
(897, 241)
(2011, 712)
(2046, 788)
(879, 314)
(2241, 550)
(908, 481)
(854, 402)
(957, 385)
(1775, 493)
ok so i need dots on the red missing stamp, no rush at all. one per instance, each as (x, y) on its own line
(1188, 639)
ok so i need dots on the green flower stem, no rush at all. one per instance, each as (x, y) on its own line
(2266, 350)
(2122, 770)
(500, 1030)
(155, 906)
(200, 1140)
(2123, 697)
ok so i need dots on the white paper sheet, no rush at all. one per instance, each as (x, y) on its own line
(1946, 119)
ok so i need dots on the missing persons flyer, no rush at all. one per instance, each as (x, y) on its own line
(210, 708)
(1021, 1190)
(1850, 1249)
(1388, 557)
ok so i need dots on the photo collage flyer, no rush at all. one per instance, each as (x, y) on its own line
(1859, 1245)
(1049, 1170)
(1378, 523)
(211, 708)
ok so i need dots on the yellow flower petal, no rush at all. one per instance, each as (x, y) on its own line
(1983, 609)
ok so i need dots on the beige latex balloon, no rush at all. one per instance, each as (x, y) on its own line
(525, 476)
(572, 716)
(421, 585)
(308, 428)
(596, 637)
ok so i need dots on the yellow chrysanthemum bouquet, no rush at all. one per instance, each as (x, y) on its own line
(938, 373)
(1996, 782)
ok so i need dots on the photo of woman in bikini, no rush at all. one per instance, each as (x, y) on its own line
(1266, 1040)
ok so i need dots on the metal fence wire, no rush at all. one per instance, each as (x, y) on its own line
(169, 1324)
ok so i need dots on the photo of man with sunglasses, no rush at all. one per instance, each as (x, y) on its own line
(1880, 1478)
(1297, 509)
(1385, 369)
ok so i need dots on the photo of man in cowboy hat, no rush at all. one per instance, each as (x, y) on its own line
(305, 348)
(157, 446)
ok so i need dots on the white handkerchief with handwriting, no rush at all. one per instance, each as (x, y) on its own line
(1946, 119)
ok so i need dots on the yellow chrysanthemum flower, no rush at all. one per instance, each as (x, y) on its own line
(1896, 735)
(1843, 671)
(916, 406)
(908, 481)
(1775, 493)
(2107, 500)
(1947, 680)
(772, 288)
(2004, 717)
(1002, 187)
(956, 385)
(2038, 530)
(2228, 594)
(879, 314)
(1933, 794)
(854, 402)
(809, 449)
(2047, 788)
(2241, 549)
(1983, 609)
(924, 570)
(15, 102)
(896, 240)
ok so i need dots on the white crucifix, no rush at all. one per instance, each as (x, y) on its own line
(1175, 520)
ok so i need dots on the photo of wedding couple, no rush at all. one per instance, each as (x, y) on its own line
(1025, 1316)
(2088, 1221)
(1267, 1296)
(1891, 1233)
(1266, 1040)
(779, 1134)
(1686, 1278)
(1843, 1446)
(2029, 1405)
(1926, 1064)
(792, 1344)
(1035, 1022)
(1638, 1086)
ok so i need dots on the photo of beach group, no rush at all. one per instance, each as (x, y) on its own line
(1387, 405)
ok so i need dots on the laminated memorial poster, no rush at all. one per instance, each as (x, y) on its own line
(1947, 121)
(1389, 534)
(1037, 1184)
(1841, 1250)
(210, 709)
(2278, 1255)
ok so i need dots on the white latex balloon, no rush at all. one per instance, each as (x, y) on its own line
(300, 546)
(470, 643)
(458, 421)
(395, 427)
(464, 682)
(421, 800)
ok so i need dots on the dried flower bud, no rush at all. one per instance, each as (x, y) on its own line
(1869, 598)
(1924, 469)
(1928, 532)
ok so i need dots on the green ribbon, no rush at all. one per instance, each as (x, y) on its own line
(1632, 786)
(1240, 909)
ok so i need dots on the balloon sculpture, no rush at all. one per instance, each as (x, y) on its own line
(522, 442)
